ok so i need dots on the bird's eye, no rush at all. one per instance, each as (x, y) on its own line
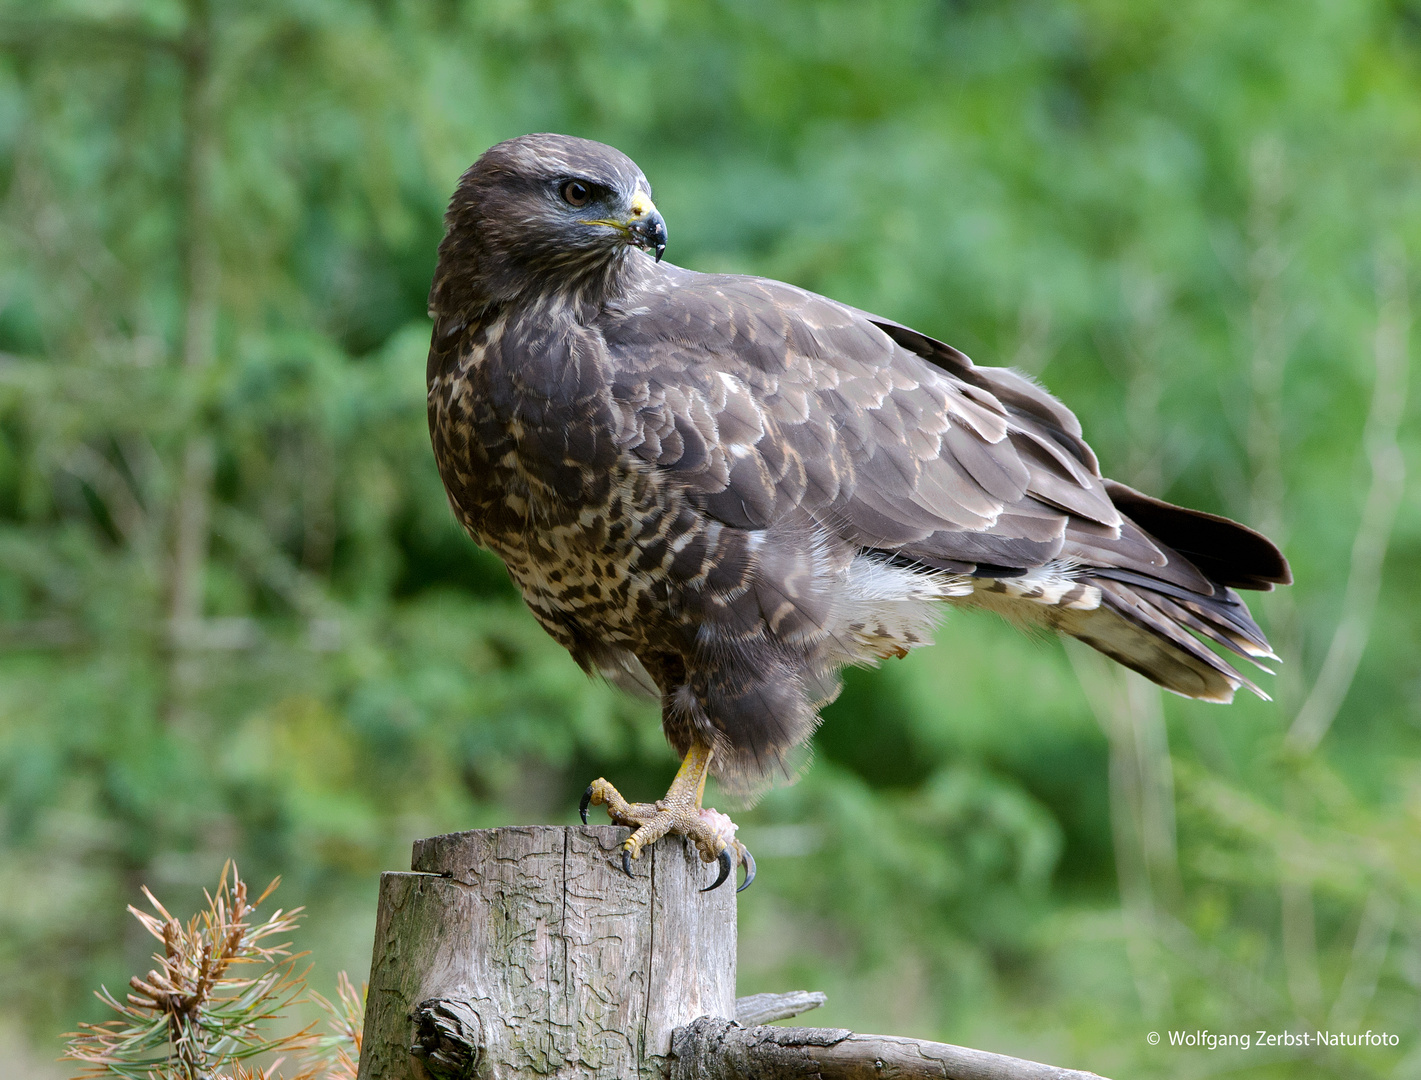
(576, 193)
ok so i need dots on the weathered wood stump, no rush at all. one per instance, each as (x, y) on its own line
(527, 952)
(522, 952)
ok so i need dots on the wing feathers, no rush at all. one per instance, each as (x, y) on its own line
(996, 468)
(1063, 485)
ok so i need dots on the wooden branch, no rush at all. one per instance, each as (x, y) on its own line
(765, 1008)
(717, 1049)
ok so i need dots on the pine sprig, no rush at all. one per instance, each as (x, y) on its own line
(338, 1052)
(199, 1014)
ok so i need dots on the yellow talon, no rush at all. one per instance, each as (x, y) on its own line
(680, 811)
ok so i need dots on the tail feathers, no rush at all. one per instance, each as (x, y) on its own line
(1157, 611)
(1220, 629)
(1224, 551)
(1221, 615)
(1152, 633)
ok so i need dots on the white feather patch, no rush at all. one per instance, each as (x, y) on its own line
(1053, 584)
(885, 609)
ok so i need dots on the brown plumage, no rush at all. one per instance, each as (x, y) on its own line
(723, 488)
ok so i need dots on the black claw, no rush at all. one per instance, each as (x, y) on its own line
(749, 870)
(627, 862)
(727, 867)
(585, 803)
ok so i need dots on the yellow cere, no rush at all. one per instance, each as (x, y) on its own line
(620, 226)
(641, 206)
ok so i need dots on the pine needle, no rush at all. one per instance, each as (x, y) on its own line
(200, 1012)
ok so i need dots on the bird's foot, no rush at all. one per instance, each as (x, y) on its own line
(680, 811)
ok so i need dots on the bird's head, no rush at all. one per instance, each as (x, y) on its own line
(543, 213)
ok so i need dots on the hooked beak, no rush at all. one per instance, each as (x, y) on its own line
(649, 233)
(644, 227)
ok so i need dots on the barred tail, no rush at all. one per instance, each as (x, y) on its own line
(1155, 616)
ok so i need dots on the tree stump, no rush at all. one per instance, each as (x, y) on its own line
(521, 952)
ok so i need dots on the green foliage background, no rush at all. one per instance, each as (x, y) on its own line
(1191, 219)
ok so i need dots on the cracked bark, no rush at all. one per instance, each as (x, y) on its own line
(526, 952)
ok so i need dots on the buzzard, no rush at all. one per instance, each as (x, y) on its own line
(721, 489)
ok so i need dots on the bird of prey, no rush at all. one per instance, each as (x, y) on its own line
(722, 489)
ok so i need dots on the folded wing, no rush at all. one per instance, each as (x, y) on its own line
(768, 402)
